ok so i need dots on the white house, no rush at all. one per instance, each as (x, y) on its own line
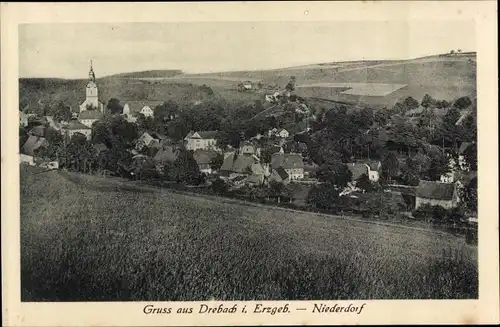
(283, 133)
(436, 193)
(147, 111)
(369, 168)
(201, 140)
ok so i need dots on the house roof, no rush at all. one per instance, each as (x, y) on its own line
(90, 114)
(166, 154)
(464, 146)
(203, 156)
(282, 173)
(202, 134)
(435, 190)
(32, 144)
(136, 106)
(255, 178)
(208, 134)
(374, 165)
(286, 160)
(237, 164)
(100, 147)
(38, 130)
(239, 178)
(76, 125)
(357, 169)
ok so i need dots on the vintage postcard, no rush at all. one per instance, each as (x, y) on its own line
(274, 163)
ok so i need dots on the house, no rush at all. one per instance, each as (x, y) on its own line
(38, 130)
(166, 154)
(50, 164)
(147, 111)
(88, 117)
(436, 193)
(238, 181)
(292, 163)
(26, 159)
(23, 119)
(371, 169)
(129, 116)
(145, 140)
(204, 159)
(241, 164)
(34, 144)
(279, 175)
(75, 127)
(99, 147)
(201, 140)
(249, 148)
(283, 133)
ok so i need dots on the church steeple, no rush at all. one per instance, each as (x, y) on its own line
(91, 73)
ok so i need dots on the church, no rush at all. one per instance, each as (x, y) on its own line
(91, 109)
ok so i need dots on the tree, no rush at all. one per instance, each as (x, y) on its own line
(184, 169)
(144, 122)
(338, 175)
(470, 195)
(390, 165)
(462, 103)
(364, 183)
(219, 186)
(290, 87)
(438, 166)
(62, 112)
(276, 190)
(217, 162)
(410, 103)
(114, 106)
(428, 101)
(322, 196)
(470, 157)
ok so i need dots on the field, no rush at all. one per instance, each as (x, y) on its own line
(86, 238)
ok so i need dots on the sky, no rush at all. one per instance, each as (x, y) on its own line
(64, 50)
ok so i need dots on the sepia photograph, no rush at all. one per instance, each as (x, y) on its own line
(227, 164)
(311, 166)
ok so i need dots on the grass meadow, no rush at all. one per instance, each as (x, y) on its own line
(85, 238)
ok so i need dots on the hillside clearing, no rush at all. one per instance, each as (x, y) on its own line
(114, 243)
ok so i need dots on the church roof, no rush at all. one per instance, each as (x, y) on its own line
(90, 114)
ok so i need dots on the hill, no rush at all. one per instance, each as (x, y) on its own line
(118, 242)
(375, 83)
(39, 92)
(149, 74)
(444, 77)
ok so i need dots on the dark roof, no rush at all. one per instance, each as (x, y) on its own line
(208, 134)
(33, 143)
(76, 125)
(237, 164)
(435, 190)
(287, 161)
(100, 147)
(90, 114)
(38, 130)
(357, 170)
(166, 154)
(464, 146)
(282, 173)
(203, 156)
